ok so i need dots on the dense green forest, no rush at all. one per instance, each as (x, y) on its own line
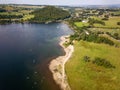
(49, 14)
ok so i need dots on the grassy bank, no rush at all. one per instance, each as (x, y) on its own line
(88, 76)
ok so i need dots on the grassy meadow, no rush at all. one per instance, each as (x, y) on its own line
(81, 24)
(88, 76)
(20, 12)
(116, 42)
(27, 17)
(17, 14)
(105, 30)
(110, 23)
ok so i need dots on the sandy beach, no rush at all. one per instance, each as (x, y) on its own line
(57, 65)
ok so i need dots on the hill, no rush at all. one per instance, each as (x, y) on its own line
(49, 14)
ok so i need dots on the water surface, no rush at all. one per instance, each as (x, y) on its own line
(25, 50)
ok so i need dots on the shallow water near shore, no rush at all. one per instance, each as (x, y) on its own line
(25, 52)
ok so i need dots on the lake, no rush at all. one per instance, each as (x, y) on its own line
(25, 53)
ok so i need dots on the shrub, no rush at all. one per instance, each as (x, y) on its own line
(102, 62)
(99, 32)
(116, 36)
(108, 33)
(118, 23)
(104, 18)
(86, 59)
(96, 39)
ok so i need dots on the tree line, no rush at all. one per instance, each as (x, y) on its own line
(99, 62)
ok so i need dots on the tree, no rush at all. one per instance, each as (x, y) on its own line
(116, 36)
(118, 23)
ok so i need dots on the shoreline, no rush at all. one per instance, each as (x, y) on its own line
(57, 65)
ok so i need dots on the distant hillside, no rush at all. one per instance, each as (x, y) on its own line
(98, 6)
(104, 6)
(49, 14)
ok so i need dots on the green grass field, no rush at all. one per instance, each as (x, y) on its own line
(11, 13)
(20, 12)
(27, 17)
(112, 31)
(81, 24)
(116, 42)
(25, 13)
(111, 23)
(88, 76)
(116, 13)
(105, 30)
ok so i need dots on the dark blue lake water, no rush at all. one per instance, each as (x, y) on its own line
(24, 49)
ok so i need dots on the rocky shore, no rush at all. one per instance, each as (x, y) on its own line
(57, 65)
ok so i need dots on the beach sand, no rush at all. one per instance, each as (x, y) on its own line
(57, 65)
